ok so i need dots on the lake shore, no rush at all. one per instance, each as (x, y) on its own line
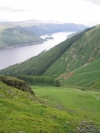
(21, 45)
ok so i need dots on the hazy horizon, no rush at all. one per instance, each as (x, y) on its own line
(77, 11)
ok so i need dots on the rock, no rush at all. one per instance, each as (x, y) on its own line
(21, 132)
(86, 127)
(17, 83)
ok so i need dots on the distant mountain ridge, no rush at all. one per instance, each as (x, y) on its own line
(29, 32)
(49, 27)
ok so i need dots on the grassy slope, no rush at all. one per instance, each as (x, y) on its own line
(58, 110)
(20, 111)
(80, 105)
(86, 49)
(87, 76)
(10, 36)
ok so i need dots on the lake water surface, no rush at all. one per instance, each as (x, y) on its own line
(15, 55)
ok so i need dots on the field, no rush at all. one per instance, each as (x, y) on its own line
(79, 105)
(51, 110)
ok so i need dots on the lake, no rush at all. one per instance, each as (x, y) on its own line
(15, 55)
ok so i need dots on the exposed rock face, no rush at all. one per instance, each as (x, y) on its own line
(20, 84)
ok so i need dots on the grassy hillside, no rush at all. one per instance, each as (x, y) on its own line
(39, 64)
(51, 110)
(81, 105)
(12, 36)
(86, 77)
(86, 49)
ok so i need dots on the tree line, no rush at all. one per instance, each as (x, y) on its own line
(40, 80)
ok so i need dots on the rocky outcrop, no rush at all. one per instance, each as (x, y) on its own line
(17, 83)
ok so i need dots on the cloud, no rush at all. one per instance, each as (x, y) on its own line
(8, 9)
(97, 2)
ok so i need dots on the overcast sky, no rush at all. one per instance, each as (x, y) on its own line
(70, 11)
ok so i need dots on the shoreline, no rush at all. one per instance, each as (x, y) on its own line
(21, 45)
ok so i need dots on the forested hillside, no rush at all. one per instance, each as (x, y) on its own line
(17, 36)
(29, 32)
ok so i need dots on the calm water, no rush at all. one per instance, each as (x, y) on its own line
(12, 56)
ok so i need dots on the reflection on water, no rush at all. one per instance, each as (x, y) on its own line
(12, 56)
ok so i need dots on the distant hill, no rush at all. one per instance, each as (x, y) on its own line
(45, 27)
(28, 32)
(50, 28)
(17, 36)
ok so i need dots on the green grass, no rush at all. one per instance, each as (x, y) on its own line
(87, 77)
(20, 111)
(80, 105)
(51, 110)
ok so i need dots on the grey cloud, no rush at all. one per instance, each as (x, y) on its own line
(4, 8)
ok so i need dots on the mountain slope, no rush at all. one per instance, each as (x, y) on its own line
(12, 36)
(39, 64)
(86, 49)
(84, 77)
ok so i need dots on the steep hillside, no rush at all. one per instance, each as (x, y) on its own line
(86, 77)
(85, 50)
(17, 36)
(39, 64)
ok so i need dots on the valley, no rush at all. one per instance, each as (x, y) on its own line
(64, 88)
